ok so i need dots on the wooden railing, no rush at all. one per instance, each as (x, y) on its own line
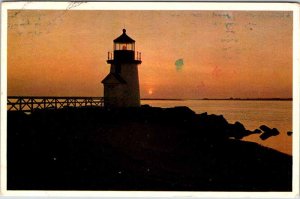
(31, 103)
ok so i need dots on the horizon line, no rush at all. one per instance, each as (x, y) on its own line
(229, 98)
(262, 99)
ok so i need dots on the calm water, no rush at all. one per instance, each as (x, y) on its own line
(274, 114)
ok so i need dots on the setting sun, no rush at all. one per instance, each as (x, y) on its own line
(150, 91)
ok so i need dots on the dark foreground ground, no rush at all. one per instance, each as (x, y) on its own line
(138, 149)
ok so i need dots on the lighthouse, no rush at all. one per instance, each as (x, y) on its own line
(121, 85)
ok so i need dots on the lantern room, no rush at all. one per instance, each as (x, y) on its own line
(124, 50)
(124, 42)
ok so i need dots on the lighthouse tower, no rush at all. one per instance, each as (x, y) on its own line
(121, 85)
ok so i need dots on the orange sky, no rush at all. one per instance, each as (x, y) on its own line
(243, 54)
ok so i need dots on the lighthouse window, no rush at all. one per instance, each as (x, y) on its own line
(124, 46)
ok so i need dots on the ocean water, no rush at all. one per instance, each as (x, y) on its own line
(252, 114)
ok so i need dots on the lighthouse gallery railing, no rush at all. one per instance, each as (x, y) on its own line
(137, 56)
(30, 103)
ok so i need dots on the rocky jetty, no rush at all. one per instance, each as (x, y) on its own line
(146, 148)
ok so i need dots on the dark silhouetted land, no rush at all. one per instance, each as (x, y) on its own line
(143, 148)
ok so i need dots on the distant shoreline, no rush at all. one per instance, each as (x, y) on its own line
(229, 99)
(170, 99)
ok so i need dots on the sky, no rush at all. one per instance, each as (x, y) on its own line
(185, 54)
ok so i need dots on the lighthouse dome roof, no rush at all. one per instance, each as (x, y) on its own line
(124, 38)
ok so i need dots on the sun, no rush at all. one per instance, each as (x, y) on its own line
(150, 91)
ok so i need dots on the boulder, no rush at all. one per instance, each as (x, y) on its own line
(268, 132)
(256, 131)
(265, 128)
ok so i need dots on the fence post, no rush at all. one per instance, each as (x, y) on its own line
(20, 104)
(31, 108)
(44, 102)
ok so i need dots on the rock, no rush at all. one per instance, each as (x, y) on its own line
(237, 130)
(218, 119)
(178, 113)
(239, 126)
(256, 131)
(145, 106)
(249, 132)
(265, 128)
(268, 132)
(203, 114)
(275, 131)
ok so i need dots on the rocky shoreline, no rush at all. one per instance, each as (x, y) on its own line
(146, 148)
